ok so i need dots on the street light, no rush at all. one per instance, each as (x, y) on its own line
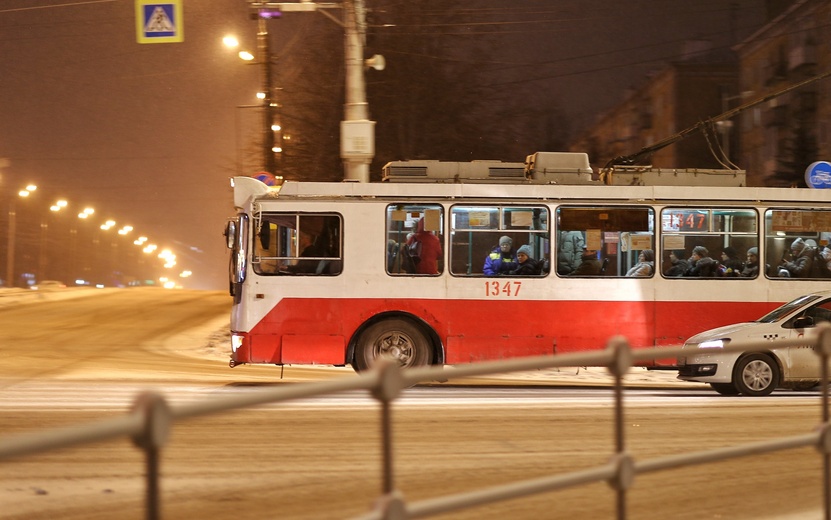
(266, 95)
(24, 193)
(74, 254)
(44, 238)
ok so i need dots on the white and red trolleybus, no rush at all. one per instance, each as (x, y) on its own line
(321, 272)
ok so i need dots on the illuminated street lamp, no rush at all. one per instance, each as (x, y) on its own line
(44, 238)
(24, 193)
(266, 95)
(74, 253)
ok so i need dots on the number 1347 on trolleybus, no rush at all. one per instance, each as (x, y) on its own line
(448, 263)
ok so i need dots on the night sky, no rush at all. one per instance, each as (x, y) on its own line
(148, 134)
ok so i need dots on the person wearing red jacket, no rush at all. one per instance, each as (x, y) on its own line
(425, 249)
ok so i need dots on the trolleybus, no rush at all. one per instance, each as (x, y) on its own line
(321, 273)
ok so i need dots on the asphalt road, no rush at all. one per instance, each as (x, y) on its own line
(65, 361)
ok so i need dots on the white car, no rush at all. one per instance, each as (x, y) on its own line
(759, 372)
(48, 285)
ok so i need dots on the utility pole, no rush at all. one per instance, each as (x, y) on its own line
(357, 143)
(264, 48)
(357, 132)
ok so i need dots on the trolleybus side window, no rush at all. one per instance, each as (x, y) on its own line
(297, 244)
(415, 239)
(708, 242)
(476, 231)
(796, 243)
(610, 241)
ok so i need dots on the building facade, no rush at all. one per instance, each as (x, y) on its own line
(680, 95)
(783, 136)
(774, 140)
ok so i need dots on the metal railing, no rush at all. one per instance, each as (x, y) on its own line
(151, 419)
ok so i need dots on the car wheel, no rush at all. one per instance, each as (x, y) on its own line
(725, 388)
(397, 338)
(756, 375)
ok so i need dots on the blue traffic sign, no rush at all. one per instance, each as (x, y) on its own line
(159, 22)
(818, 175)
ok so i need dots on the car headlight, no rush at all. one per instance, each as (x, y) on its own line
(714, 343)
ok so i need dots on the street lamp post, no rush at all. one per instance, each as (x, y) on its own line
(357, 131)
(10, 280)
(77, 264)
(44, 239)
(264, 57)
(268, 102)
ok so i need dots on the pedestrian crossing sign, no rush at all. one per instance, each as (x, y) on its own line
(159, 22)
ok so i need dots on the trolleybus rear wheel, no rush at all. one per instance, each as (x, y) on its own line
(397, 338)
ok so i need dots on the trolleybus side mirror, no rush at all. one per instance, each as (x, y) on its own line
(230, 234)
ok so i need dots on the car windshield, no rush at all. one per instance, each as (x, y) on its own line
(780, 312)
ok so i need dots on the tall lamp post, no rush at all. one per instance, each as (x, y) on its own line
(44, 238)
(264, 47)
(357, 145)
(269, 127)
(77, 267)
(12, 231)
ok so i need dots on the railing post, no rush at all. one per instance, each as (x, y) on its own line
(620, 365)
(157, 419)
(390, 384)
(824, 351)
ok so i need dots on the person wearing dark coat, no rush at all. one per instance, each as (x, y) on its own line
(802, 263)
(589, 264)
(679, 266)
(730, 263)
(751, 268)
(527, 266)
(701, 265)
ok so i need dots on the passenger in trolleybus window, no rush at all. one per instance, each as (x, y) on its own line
(645, 265)
(701, 265)
(570, 251)
(502, 258)
(589, 264)
(527, 266)
(730, 263)
(801, 263)
(425, 250)
(751, 267)
(678, 265)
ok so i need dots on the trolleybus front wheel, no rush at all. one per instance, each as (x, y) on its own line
(397, 338)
